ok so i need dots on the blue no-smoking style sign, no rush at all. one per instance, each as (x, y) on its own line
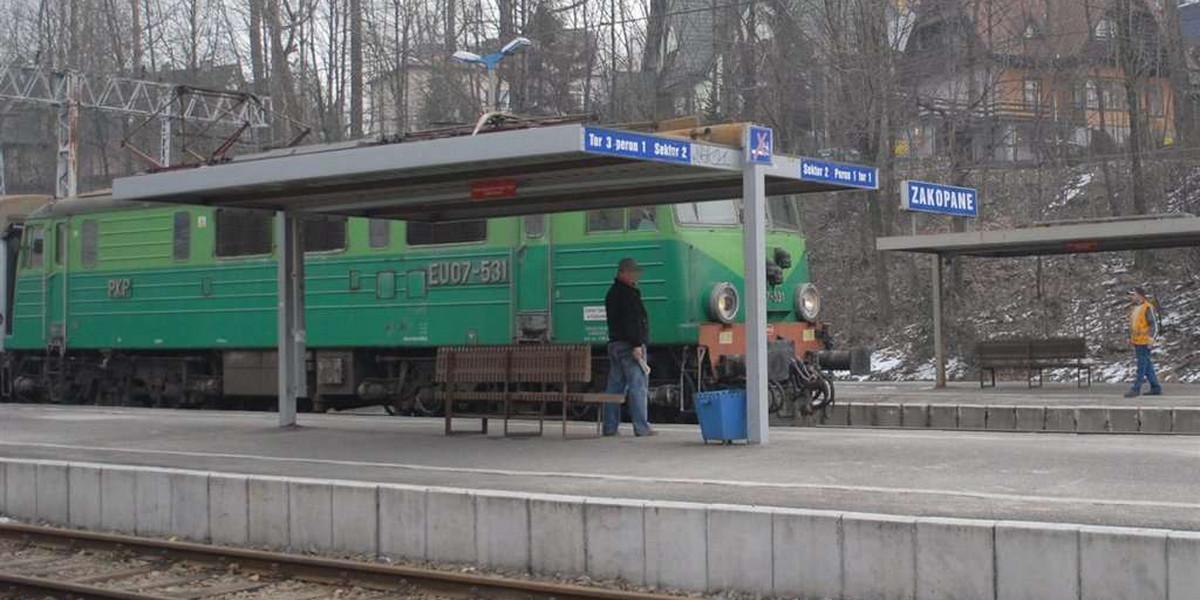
(922, 196)
(760, 147)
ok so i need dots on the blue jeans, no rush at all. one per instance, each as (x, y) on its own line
(1145, 370)
(625, 376)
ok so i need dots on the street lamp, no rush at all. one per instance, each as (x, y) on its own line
(492, 62)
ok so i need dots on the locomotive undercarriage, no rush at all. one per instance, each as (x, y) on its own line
(399, 381)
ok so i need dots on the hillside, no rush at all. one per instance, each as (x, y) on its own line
(1081, 295)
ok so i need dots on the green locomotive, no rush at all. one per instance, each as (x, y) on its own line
(127, 303)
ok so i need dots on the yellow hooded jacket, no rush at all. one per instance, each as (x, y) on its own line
(1139, 325)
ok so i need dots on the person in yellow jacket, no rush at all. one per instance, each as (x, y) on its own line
(1143, 323)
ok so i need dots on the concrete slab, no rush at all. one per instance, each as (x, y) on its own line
(972, 417)
(739, 550)
(189, 506)
(229, 509)
(1001, 418)
(878, 557)
(356, 518)
(887, 415)
(267, 510)
(402, 522)
(1091, 419)
(1122, 564)
(450, 523)
(616, 539)
(807, 546)
(1031, 418)
(152, 503)
(310, 516)
(1036, 561)
(838, 414)
(3, 486)
(556, 535)
(955, 559)
(1060, 418)
(53, 493)
(676, 546)
(943, 416)
(1186, 420)
(84, 502)
(915, 416)
(1154, 420)
(861, 415)
(1123, 419)
(1183, 565)
(502, 530)
(118, 500)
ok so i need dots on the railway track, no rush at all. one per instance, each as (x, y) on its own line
(43, 562)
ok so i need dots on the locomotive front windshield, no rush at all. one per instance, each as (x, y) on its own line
(781, 211)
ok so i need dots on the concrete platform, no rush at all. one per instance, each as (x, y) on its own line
(912, 473)
(1013, 393)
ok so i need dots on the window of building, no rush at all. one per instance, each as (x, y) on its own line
(60, 244)
(535, 225)
(1032, 93)
(454, 232)
(324, 235)
(89, 241)
(243, 232)
(782, 213)
(1093, 95)
(183, 236)
(716, 212)
(1154, 100)
(608, 219)
(1114, 96)
(36, 250)
(643, 218)
(379, 233)
(1105, 29)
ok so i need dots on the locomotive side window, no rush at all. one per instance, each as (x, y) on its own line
(782, 212)
(60, 244)
(453, 232)
(243, 232)
(37, 248)
(88, 239)
(643, 218)
(183, 236)
(716, 212)
(535, 225)
(608, 219)
(324, 235)
(380, 234)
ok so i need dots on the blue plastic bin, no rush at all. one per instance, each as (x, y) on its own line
(722, 415)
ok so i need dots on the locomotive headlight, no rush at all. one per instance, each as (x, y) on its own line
(807, 302)
(723, 303)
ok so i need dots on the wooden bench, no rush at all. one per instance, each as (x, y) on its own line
(1033, 355)
(498, 381)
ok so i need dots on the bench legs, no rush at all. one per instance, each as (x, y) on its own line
(992, 371)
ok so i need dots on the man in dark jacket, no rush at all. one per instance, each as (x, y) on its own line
(628, 334)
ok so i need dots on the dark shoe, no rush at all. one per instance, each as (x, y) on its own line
(1157, 392)
(607, 434)
(648, 433)
(1133, 393)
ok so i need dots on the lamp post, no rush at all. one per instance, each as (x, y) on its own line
(492, 63)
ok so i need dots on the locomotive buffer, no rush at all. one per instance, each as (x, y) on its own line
(560, 168)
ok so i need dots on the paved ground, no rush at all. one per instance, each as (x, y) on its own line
(1099, 479)
(1014, 392)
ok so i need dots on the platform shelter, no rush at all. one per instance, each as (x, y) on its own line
(1147, 232)
(560, 168)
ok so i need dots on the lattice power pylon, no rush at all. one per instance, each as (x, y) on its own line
(71, 91)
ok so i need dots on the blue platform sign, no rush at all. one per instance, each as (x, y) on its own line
(637, 146)
(939, 199)
(822, 171)
(760, 148)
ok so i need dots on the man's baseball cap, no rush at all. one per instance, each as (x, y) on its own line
(1141, 291)
(628, 264)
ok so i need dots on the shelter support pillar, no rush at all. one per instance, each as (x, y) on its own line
(292, 336)
(939, 347)
(757, 392)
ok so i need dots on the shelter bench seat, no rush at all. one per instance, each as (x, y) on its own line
(493, 382)
(1033, 356)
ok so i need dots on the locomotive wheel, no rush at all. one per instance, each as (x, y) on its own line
(821, 393)
(778, 395)
(426, 404)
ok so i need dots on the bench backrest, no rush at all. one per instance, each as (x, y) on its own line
(1059, 348)
(1003, 349)
(514, 364)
